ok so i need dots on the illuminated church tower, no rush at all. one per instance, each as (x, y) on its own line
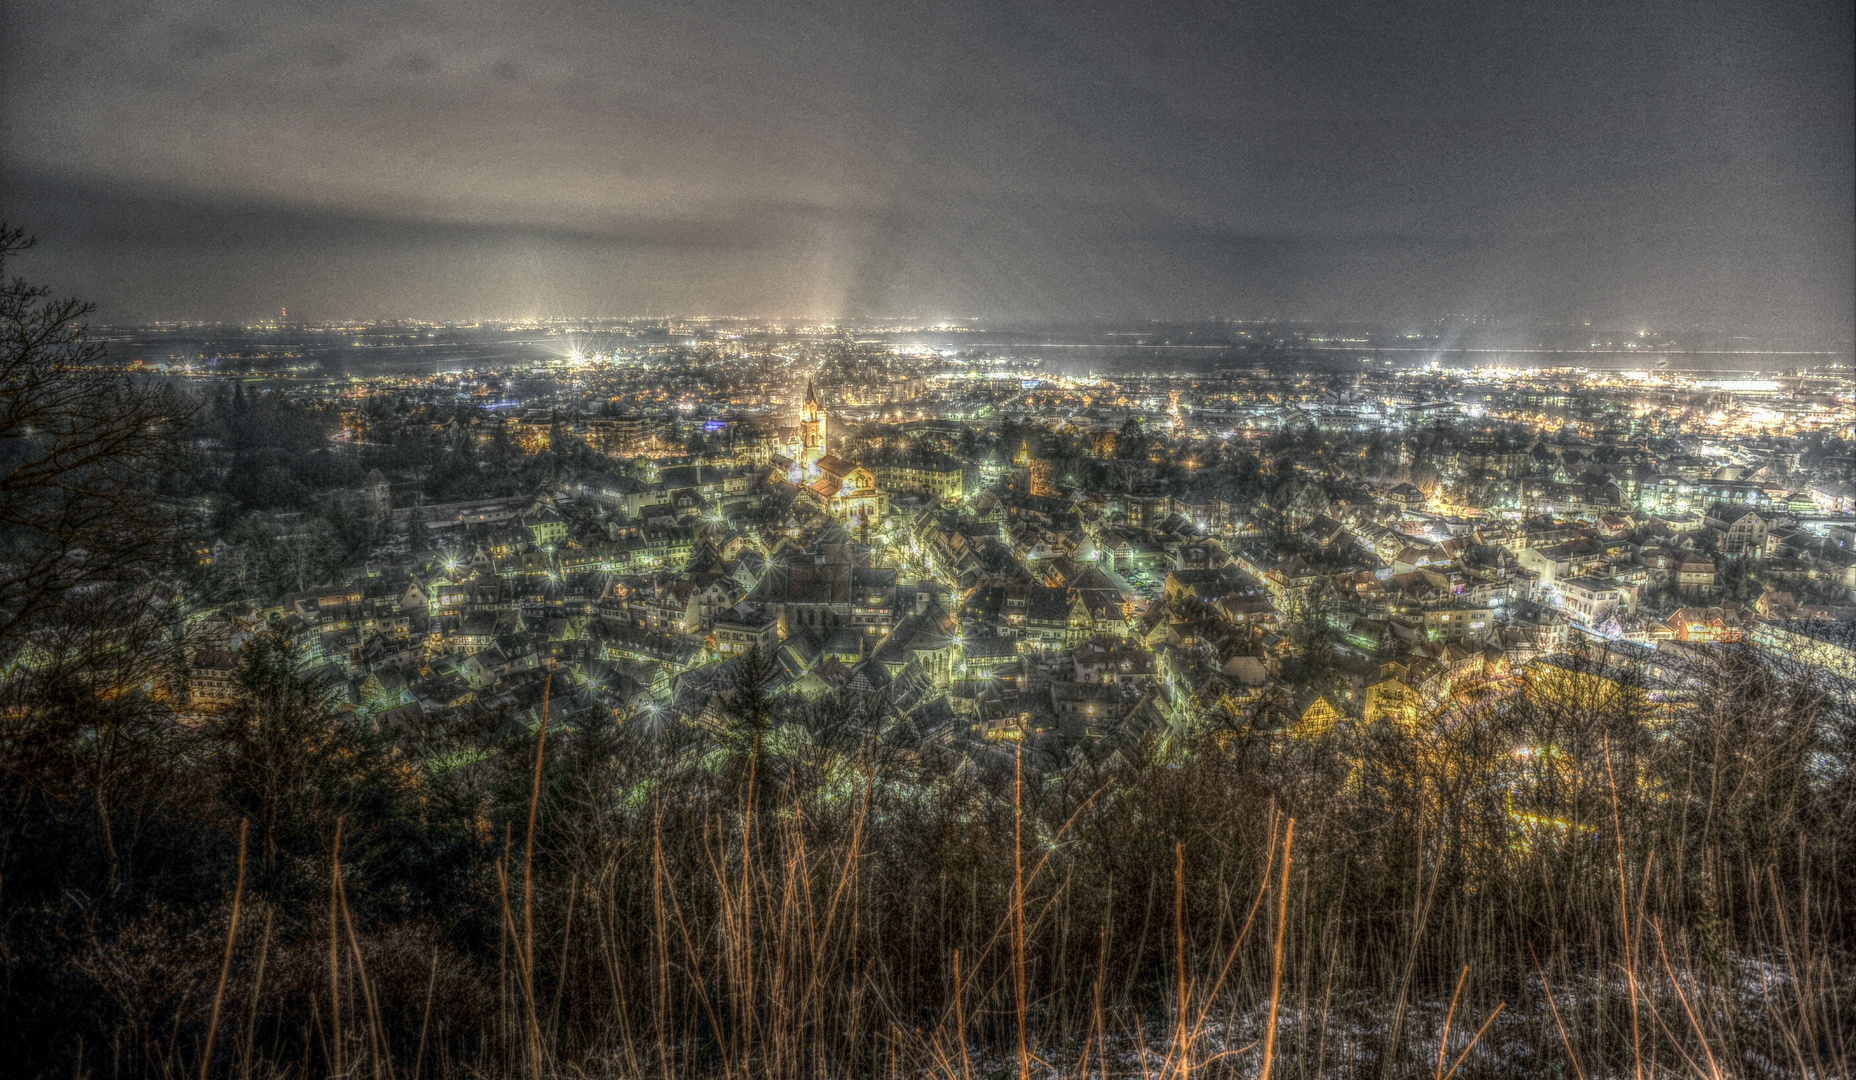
(812, 431)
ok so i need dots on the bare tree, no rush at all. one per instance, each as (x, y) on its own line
(80, 446)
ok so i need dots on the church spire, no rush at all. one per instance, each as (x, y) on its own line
(812, 428)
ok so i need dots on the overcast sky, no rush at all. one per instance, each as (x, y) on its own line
(1663, 163)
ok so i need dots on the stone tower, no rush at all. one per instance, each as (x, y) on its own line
(812, 430)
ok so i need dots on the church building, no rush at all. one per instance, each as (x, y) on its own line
(847, 492)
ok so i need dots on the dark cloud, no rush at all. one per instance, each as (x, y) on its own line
(1657, 161)
(415, 63)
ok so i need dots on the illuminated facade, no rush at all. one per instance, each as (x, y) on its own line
(812, 432)
(847, 492)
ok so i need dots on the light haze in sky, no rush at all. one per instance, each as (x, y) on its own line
(1661, 163)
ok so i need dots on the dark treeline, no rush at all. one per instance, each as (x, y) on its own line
(270, 481)
(261, 450)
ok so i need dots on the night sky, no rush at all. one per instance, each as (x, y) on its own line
(1653, 164)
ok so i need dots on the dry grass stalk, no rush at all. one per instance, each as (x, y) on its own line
(425, 1017)
(1552, 1006)
(1480, 1032)
(376, 1028)
(1714, 1069)
(257, 995)
(528, 890)
(1282, 927)
(1183, 1042)
(1443, 1044)
(335, 978)
(225, 967)
(1630, 947)
(1018, 910)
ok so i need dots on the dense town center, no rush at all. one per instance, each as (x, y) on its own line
(1002, 548)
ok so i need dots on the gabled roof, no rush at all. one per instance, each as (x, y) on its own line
(869, 677)
(1047, 605)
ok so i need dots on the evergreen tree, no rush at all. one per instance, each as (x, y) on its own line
(1131, 444)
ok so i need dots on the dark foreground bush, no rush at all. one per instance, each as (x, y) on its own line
(1580, 884)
